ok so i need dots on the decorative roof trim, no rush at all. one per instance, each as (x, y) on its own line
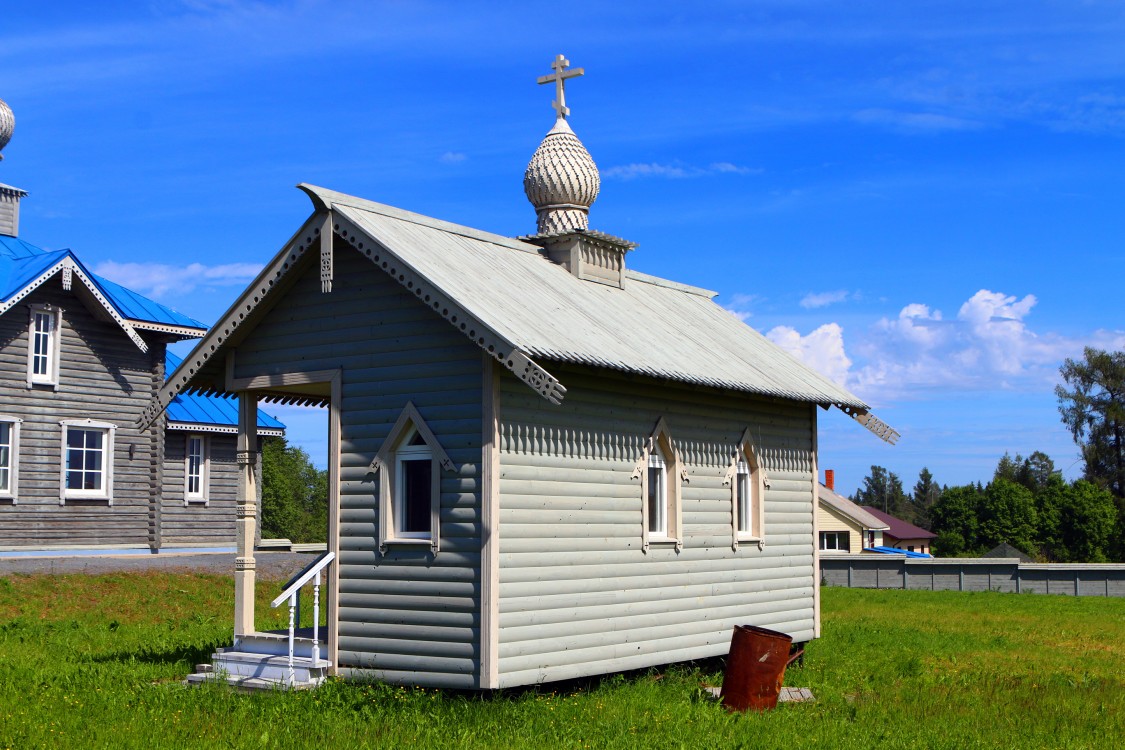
(498, 347)
(68, 265)
(212, 341)
(219, 428)
(881, 429)
(187, 332)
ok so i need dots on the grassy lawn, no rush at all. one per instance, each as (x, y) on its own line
(95, 661)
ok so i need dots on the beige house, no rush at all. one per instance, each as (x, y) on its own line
(844, 527)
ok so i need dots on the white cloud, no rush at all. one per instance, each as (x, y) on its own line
(452, 157)
(988, 346)
(739, 305)
(159, 280)
(675, 171)
(822, 350)
(915, 121)
(823, 299)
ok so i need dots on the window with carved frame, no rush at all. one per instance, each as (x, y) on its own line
(9, 457)
(43, 345)
(661, 471)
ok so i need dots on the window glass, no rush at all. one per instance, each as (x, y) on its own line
(195, 466)
(744, 497)
(416, 490)
(85, 459)
(657, 493)
(5, 456)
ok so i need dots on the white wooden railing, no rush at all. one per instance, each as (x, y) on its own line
(292, 594)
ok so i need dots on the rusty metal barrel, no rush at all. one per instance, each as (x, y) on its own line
(755, 668)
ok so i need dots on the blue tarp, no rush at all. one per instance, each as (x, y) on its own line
(896, 551)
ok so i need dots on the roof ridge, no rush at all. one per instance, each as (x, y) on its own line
(646, 278)
(324, 196)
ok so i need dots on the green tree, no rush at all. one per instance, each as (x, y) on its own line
(954, 517)
(294, 493)
(883, 490)
(926, 493)
(1087, 522)
(1093, 409)
(1007, 514)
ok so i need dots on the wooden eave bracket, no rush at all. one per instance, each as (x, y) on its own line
(877, 426)
(409, 417)
(498, 347)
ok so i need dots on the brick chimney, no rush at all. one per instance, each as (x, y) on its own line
(830, 479)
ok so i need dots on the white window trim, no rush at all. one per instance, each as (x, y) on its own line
(836, 536)
(675, 474)
(106, 492)
(386, 464)
(12, 493)
(201, 497)
(745, 462)
(53, 356)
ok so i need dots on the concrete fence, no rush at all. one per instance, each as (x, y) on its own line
(973, 574)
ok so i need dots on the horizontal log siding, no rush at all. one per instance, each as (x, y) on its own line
(578, 596)
(102, 376)
(407, 617)
(199, 524)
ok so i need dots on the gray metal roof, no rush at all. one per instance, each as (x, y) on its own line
(651, 327)
(848, 509)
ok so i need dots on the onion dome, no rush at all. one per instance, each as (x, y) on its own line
(7, 125)
(561, 181)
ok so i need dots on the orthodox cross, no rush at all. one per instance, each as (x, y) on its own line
(561, 74)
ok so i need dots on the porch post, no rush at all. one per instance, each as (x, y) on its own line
(246, 522)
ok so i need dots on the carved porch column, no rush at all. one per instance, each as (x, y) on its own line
(246, 522)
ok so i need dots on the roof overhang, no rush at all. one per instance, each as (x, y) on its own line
(87, 291)
(222, 429)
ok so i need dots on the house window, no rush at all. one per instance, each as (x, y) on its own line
(43, 346)
(87, 460)
(9, 456)
(195, 469)
(414, 467)
(409, 466)
(748, 483)
(657, 494)
(834, 541)
(660, 470)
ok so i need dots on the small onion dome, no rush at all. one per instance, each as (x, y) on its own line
(561, 181)
(7, 125)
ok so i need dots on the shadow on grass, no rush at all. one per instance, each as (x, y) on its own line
(192, 655)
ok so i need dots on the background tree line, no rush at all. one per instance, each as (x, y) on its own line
(294, 494)
(1027, 503)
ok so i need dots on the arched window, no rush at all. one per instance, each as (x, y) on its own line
(409, 466)
(748, 485)
(661, 472)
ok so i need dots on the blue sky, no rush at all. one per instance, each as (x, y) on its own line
(921, 199)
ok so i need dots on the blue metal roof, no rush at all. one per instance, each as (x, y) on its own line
(21, 263)
(209, 410)
(137, 307)
(17, 271)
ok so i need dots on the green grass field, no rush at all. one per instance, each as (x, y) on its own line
(96, 661)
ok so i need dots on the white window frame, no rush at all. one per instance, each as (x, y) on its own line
(106, 492)
(404, 454)
(835, 535)
(11, 492)
(396, 449)
(201, 495)
(54, 344)
(658, 521)
(673, 473)
(748, 484)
